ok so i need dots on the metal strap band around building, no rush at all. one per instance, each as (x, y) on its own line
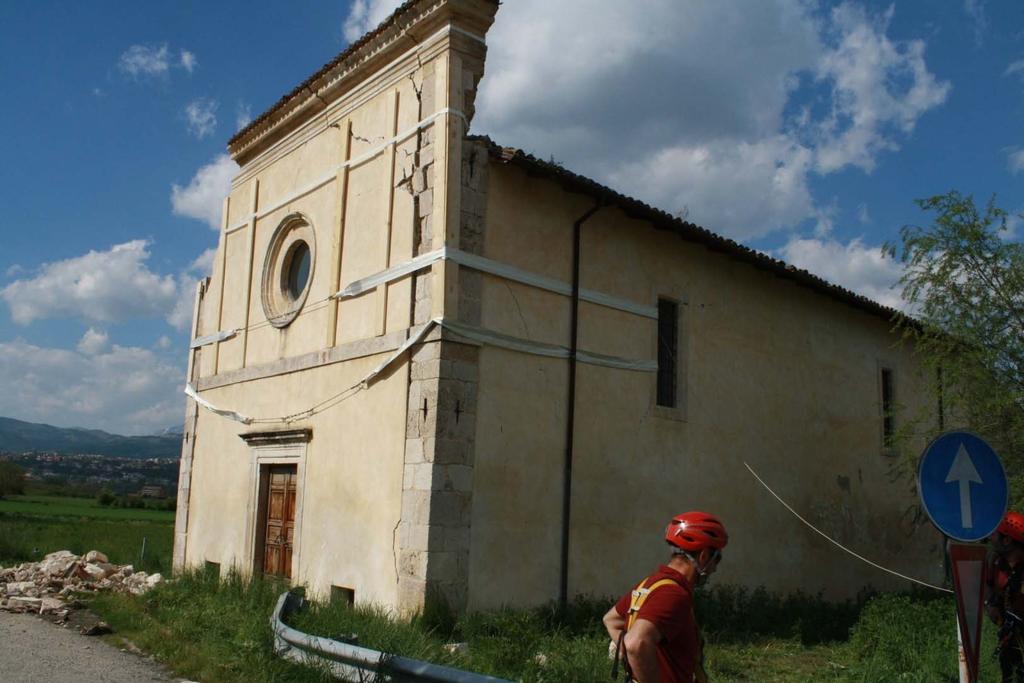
(355, 161)
(492, 338)
(191, 392)
(491, 267)
(471, 332)
(223, 335)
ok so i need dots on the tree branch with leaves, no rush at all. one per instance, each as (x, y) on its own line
(963, 284)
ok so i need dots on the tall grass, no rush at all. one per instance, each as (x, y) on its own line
(27, 538)
(913, 638)
(219, 631)
(544, 644)
(204, 628)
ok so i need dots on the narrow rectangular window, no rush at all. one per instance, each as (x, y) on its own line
(888, 406)
(668, 352)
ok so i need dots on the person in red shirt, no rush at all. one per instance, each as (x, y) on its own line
(655, 623)
(1005, 597)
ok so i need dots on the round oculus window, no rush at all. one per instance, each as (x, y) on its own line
(296, 270)
(288, 269)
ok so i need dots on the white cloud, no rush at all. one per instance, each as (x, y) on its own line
(140, 61)
(364, 15)
(975, 9)
(181, 315)
(201, 115)
(880, 88)
(188, 60)
(203, 197)
(1014, 68)
(203, 264)
(862, 213)
(100, 286)
(689, 94)
(1013, 224)
(93, 341)
(243, 116)
(1015, 159)
(854, 265)
(164, 342)
(123, 389)
(770, 176)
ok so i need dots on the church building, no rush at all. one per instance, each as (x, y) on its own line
(426, 364)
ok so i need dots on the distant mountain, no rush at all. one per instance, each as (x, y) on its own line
(17, 437)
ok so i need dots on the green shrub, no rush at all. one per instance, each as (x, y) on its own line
(733, 613)
(912, 638)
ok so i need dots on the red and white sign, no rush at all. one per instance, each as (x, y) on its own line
(968, 563)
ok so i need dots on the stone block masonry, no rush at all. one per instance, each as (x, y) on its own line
(437, 496)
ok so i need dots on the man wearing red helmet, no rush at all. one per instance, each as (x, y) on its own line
(655, 623)
(1005, 599)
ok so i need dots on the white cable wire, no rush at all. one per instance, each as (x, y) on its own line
(837, 543)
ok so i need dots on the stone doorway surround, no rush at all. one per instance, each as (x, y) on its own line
(274, 448)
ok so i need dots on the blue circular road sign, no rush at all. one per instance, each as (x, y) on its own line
(962, 486)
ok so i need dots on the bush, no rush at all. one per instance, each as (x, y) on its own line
(913, 638)
(106, 499)
(733, 613)
(12, 479)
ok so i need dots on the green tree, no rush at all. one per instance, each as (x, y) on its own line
(964, 284)
(12, 479)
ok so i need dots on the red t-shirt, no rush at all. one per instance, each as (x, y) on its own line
(998, 581)
(670, 609)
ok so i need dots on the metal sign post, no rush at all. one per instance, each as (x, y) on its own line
(964, 491)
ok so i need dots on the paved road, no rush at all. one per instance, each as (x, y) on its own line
(35, 650)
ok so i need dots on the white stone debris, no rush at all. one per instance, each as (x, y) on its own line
(46, 587)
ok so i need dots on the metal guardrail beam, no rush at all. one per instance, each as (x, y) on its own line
(353, 662)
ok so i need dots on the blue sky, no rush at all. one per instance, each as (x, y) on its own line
(804, 129)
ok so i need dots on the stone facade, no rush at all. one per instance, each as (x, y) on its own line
(425, 481)
(437, 494)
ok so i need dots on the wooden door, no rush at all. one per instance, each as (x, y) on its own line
(280, 520)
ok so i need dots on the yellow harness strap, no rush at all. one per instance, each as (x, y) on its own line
(640, 595)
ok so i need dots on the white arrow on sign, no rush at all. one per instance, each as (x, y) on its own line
(963, 471)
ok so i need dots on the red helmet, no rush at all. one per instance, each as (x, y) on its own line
(694, 531)
(1012, 526)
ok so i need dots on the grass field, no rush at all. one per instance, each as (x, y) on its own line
(213, 630)
(60, 506)
(218, 631)
(32, 526)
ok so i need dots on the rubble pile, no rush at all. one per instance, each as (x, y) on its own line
(47, 587)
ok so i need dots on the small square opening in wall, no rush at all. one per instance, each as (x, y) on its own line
(343, 596)
(211, 568)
